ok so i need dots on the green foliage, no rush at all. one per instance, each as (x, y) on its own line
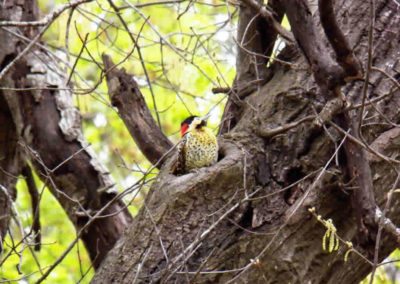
(57, 234)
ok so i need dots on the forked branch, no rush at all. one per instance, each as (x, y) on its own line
(344, 54)
(327, 73)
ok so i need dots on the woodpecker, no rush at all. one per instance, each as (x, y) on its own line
(198, 146)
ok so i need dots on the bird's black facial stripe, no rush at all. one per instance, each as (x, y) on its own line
(188, 120)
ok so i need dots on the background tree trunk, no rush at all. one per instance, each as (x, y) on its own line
(44, 120)
(237, 220)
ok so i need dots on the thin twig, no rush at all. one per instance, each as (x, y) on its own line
(77, 59)
(47, 19)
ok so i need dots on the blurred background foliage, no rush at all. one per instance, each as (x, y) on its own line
(188, 48)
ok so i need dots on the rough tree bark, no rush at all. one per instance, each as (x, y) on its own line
(237, 221)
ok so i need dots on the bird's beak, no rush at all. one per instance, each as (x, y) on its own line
(204, 119)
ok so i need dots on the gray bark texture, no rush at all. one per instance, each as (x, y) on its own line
(238, 221)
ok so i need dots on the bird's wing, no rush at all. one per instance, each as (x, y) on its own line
(179, 166)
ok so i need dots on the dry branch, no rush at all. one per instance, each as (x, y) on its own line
(344, 54)
(127, 98)
(327, 73)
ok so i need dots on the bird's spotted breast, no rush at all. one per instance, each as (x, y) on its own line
(201, 149)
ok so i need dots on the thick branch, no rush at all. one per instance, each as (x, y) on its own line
(127, 98)
(64, 161)
(344, 54)
(326, 72)
(359, 172)
(10, 157)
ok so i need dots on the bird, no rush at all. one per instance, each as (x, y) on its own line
(197, 148)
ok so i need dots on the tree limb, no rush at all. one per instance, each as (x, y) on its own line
(10, 163)
(327, 73)
(344, 54)
(127, 98)
(35, 201)
(66, 164)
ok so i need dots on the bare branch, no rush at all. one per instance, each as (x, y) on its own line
(127, 98)
(327, 73)
(221, 90)
(344, 54)
(47, 19)
(138, 49)
(268, 133)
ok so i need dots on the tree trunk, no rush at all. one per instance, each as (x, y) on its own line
(246, 218)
